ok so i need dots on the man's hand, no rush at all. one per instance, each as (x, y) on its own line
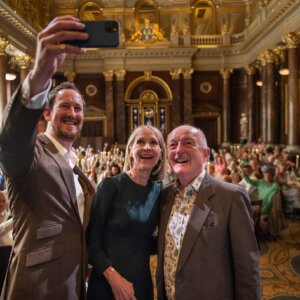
(121, 288)
(51, 50)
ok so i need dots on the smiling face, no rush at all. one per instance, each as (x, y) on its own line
(187, 153)
(65, 119)
(145, 150)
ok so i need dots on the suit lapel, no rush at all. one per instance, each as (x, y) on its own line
(198, 216)
(66, 171)
(88, 192)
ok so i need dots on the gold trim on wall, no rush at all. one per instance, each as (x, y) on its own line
(141, 79)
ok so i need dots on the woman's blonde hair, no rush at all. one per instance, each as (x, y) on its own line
(158, 172)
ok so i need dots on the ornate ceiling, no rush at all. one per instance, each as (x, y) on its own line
(204, 35)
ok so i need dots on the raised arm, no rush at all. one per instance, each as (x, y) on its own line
(22, 114)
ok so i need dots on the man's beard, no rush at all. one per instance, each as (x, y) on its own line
(70, 136)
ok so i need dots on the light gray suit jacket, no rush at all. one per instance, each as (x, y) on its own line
(49, 256)
(219, 258)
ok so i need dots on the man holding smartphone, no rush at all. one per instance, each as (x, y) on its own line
(50, 199)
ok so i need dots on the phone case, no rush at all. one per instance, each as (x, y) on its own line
(102, 34)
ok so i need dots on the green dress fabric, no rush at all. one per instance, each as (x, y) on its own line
(120, 234)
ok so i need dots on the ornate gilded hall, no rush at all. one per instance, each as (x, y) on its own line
(201, 62)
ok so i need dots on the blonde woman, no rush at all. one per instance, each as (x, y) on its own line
(124, 217)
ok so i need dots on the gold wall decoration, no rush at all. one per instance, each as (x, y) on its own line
(91, 90)
(146, 33)
(205, 87)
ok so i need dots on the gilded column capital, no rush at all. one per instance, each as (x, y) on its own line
(187, 73)
(120, 75)
(175, 73)
(3, 44)
(292, 39)
(70, 75)
(250, 69)
(108, 75)
(225, 72)
(269, 56)
(262, 60)
(22, 61)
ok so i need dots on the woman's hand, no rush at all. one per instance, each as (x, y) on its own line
(121, 288)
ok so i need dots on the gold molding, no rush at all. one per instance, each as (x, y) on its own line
(108, 75)
(226, 73)
(141, 79)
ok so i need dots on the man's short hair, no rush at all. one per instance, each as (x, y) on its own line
(268, 168)
(66, 85)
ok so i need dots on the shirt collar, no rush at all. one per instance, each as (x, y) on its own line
(192, 187)
(70, 157)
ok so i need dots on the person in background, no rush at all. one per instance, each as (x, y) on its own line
(49, 197)
(206, 247)
(124, 217)
(267, 187)
(6, 240)
(115, 169)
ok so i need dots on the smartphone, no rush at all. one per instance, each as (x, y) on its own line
(102, 34)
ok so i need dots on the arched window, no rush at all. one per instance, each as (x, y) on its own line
(204, 18)
(90, 11)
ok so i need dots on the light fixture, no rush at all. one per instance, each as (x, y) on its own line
(259, 83)
(10, 76)
(284, 71)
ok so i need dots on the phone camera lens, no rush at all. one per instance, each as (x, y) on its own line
(111, 26)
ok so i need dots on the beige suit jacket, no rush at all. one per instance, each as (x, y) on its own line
(49, 256)
(219, 254)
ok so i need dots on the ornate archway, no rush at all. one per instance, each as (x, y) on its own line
(148, 99)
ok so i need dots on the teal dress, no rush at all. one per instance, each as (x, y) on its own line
(120, 234)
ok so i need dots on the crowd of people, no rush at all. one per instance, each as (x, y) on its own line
(112, 210)
(261, 170)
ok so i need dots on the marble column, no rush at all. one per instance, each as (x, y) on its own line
(176, 107)
(293, 140)
(250, 70)
(263, 100)
(3, 97)
(226, 112)
(24, 63)
(272, 121)
(109, 105)
(187, 98)
(120, 108)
